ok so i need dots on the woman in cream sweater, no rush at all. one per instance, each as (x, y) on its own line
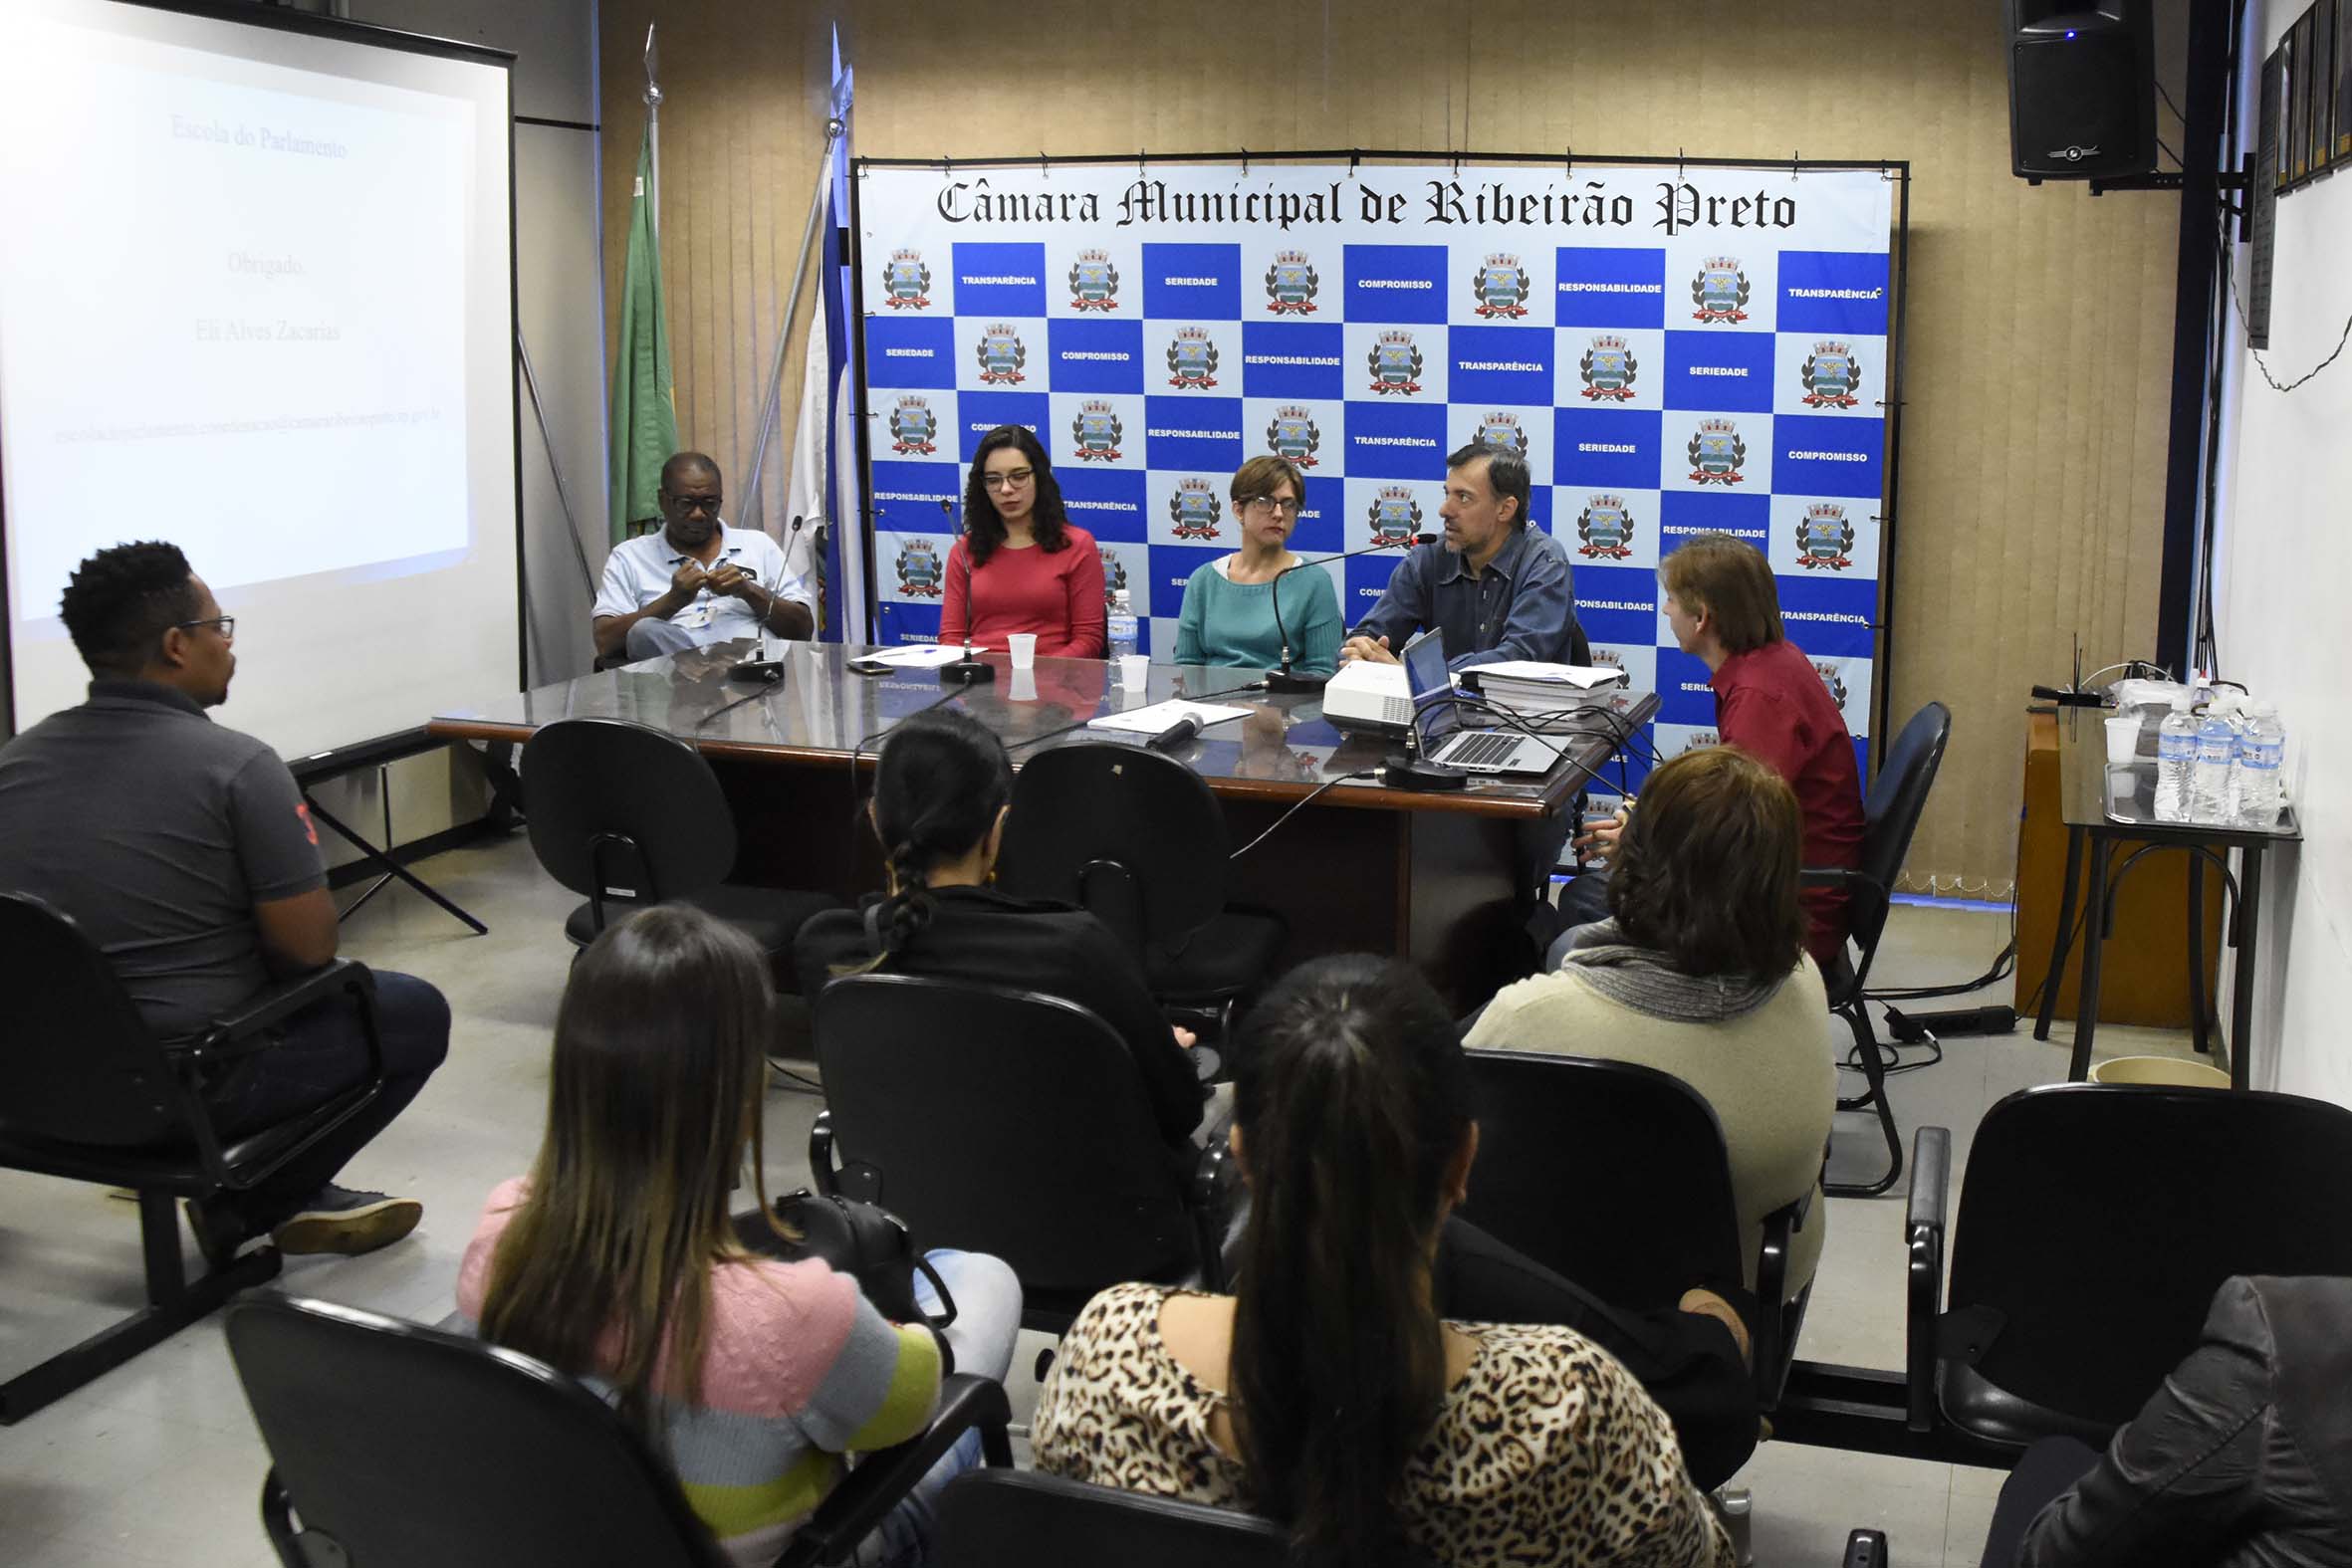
(1701, 972)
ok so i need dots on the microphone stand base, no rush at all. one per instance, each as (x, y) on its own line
(967, 672)
(1411, 772)
(1294, 681)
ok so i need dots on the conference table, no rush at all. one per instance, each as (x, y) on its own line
(1353, 866)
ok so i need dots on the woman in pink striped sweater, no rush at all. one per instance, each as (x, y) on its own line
(617, 1261)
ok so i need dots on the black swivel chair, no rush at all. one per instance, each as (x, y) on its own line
(1006, 1122)
(1137, 838)
(88, 1093)
(1019, 1519)
(629, 817)
(1614, 1176)
(402, 1446)
(1890, 816)
(2095, 1225)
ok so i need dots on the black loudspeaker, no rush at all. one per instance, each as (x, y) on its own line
(2082, 88)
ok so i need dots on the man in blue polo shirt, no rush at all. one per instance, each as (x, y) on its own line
(1495, 589)
(184, 851)
(698, 582)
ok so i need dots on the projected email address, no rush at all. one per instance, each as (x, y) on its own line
(408, 417)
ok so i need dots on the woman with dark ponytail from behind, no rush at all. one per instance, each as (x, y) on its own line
(1328, 1393)
(942, 788)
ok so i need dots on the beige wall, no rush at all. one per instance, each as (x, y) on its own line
(2039, 320)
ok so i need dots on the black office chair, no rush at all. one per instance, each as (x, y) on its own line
(1010, 1123)
(1614, 1176)
(397, 1446)
(1890, 816)
(1137, 838)
(1019, 1519)
(629, 817)
(88, 1093)
(2095, 1225)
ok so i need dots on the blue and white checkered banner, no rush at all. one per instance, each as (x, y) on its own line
(1677, 349)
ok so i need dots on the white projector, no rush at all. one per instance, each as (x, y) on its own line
(1368, 696)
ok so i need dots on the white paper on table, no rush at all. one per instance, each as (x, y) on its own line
(1582, 676)
(914, 656)
(1161, 715)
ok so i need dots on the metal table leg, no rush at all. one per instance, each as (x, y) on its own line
(2094, 943)
(2242, 1005)
(2060, 946)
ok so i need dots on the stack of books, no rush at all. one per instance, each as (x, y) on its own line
(1543, 695)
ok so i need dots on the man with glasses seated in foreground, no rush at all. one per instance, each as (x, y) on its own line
(698, 582)
(1229, 617)
(184, 851)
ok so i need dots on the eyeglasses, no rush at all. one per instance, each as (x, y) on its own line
(1283, 508)
(708, 504)
(1008, 481)
(226, 624)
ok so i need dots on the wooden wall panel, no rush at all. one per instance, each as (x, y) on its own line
(2039, 320)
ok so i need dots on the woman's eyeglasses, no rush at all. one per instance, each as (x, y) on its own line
(1011, 480)
(1265, 504)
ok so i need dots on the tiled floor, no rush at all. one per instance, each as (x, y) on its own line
(158, 1461)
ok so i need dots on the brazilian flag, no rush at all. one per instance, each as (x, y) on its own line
(644, 396)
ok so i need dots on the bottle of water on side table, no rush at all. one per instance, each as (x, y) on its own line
(2176, 760)
(2260, 749)
(1122, 624)
(2216, 755)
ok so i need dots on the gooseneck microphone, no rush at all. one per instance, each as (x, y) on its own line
(1286, 679)
(971, 669)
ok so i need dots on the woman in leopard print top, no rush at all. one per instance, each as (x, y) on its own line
(1327, 1394)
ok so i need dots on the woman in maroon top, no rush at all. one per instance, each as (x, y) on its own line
(1022, 564)
(1769, 701)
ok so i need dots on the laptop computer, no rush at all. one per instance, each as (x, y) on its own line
(1437, 719)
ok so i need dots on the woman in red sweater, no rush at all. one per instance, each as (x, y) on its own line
(1022, 564)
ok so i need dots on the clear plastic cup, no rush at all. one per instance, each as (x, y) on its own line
(1022, 645)
(2123, 740)
(1134, 670)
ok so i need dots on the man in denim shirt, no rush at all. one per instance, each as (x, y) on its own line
(1495, 590)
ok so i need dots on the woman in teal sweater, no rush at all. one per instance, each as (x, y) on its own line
(1229, 607)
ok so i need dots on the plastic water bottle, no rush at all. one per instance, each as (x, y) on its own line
(2260, 749)
(2176, 760)
(2216, 758)
(1122, 624)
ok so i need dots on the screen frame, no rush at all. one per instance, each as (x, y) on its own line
(401, 742)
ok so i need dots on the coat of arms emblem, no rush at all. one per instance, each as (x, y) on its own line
(913, 426)
(1608, 368)
(1605, 528)
(1292, 284)
(1829, 678)
(1093, 281)
(1000, 354)
(1502, 287)
(1395, 515)
(1192, 358)
(1395, 364)
(919, 568)
(1095, 433)
(1832, 376)
(907, 282)
(1293, 434)
(1193, 509)
(1114, 577)
(1503, 430)
(1824, 539)
(1719, 291)
(1717, 452)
